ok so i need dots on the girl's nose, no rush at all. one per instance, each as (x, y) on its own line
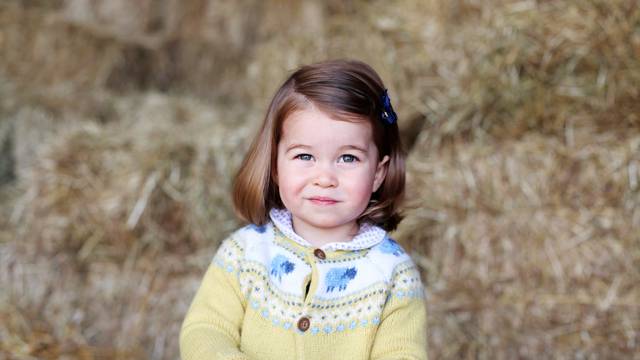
(325, 177)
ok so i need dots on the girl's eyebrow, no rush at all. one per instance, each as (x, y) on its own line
(344, 147)
(294, 146)
(354, 147)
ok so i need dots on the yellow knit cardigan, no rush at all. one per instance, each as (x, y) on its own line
(265, 297)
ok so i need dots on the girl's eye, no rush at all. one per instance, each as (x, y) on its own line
(347, 158)
(304, 157)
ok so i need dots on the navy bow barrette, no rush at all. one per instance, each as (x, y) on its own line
(387, 115)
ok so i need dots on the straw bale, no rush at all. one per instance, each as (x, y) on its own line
(127, 18)
(529, 246)
(36, 49)
(135, 186)
(33, 126)
(202, 47)
(213, 49)
(198, 45)
(116, 221)
(30, 118)
(535, 66)
(51, 311)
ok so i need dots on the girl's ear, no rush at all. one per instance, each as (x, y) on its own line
(381, 173)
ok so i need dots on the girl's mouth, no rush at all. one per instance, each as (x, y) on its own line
(323, 200)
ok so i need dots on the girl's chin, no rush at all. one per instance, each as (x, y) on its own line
(326, 222)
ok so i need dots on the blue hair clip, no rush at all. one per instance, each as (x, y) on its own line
(387, 115)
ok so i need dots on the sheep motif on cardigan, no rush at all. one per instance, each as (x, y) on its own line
(340, 277)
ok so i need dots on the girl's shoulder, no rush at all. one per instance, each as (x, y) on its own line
(234, 247)
(389, 251)
(252, 233)
(391, 259)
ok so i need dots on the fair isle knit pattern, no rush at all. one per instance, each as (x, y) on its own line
(351, 293)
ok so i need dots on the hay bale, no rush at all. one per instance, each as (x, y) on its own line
(529, 246)
(116, 221)
(49, 311)
(84, 45)
(134, 187)
(535, 66)
(34, 126)
(526, 180)
(212, 49)
(38, 49)
(126, 18)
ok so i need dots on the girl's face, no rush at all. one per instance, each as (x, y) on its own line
(327, 170)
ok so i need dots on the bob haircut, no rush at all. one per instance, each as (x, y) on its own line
(347, 90)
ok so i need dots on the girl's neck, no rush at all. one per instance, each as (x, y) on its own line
(321, 236)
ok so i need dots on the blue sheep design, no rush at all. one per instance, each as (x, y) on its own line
(340, 277)
(280, 265)
(390, 246)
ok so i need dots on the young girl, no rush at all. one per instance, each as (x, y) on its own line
(315, 275)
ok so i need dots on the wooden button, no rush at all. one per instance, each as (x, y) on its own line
(319, 254)
(304, 323)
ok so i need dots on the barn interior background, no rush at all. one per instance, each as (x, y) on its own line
(121, 123)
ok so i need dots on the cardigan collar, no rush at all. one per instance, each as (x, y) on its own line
(368, 235)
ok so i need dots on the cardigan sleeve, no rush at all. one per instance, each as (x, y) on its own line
(402, 333)
(211, 328)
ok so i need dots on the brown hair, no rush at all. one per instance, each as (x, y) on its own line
(348, 90)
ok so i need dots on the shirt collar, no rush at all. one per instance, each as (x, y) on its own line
(368, 235)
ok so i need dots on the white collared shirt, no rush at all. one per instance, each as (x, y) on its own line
(368, 235)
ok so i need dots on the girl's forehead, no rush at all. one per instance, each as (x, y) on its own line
(314, 125)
